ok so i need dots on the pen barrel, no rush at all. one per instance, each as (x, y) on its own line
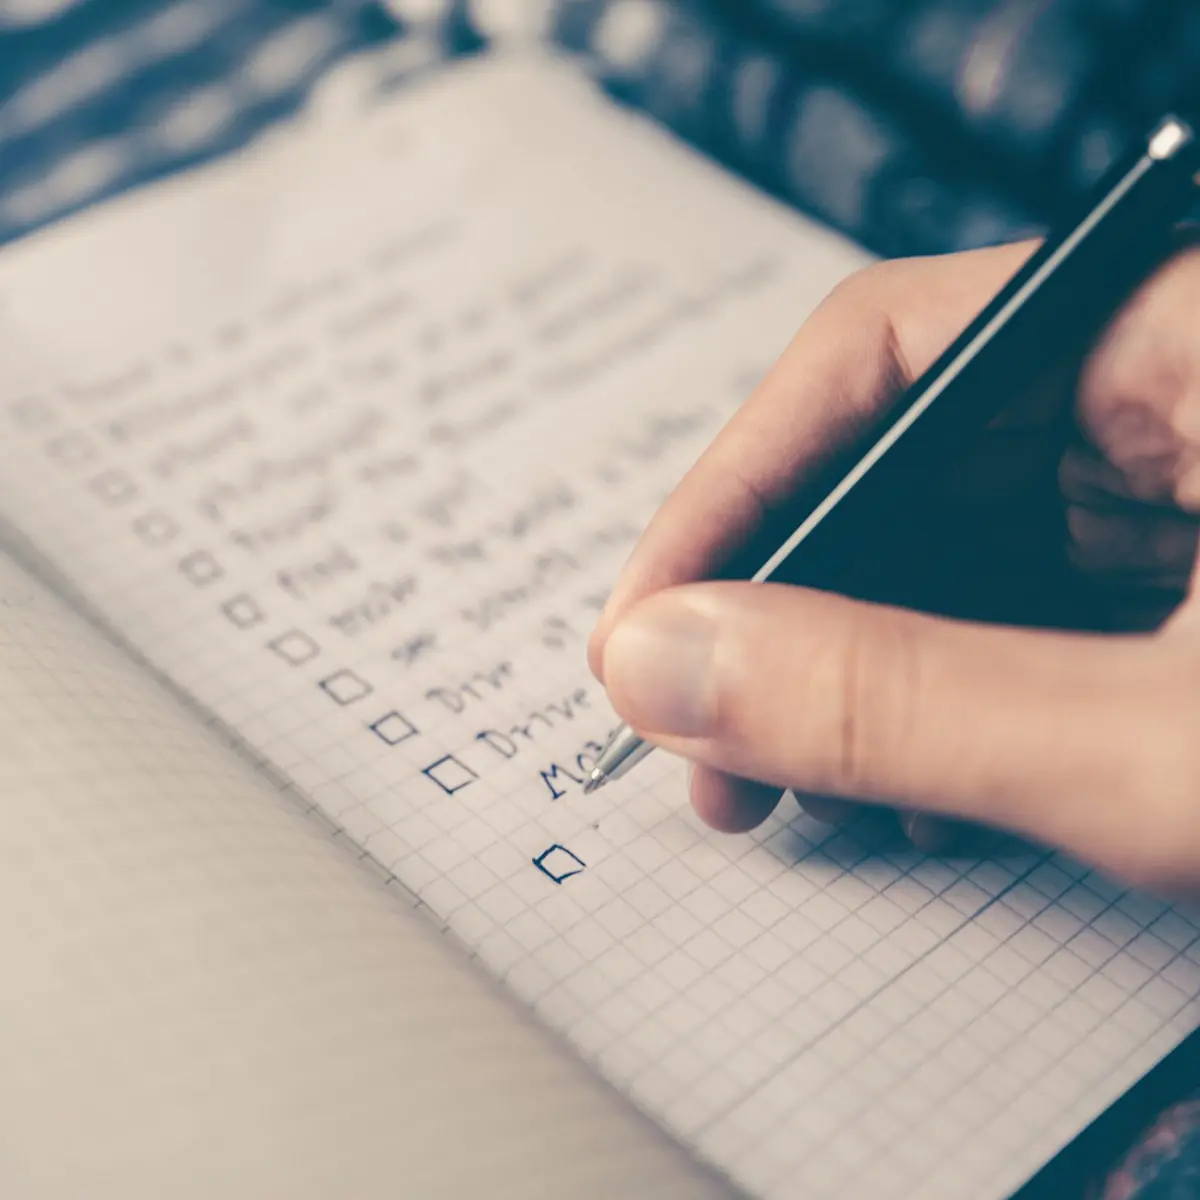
(846, 527)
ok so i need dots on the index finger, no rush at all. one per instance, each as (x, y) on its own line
(870, 339)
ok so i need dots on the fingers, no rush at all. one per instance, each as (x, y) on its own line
(1139, 393)
(729, 804)
(867, 342)
(1141, 553)
(1086, 477)
(1067, 740)
(733, 805)
(1149, 547)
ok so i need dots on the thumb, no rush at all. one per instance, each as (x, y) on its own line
(1044, 734)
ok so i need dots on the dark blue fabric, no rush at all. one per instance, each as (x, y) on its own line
(97, 96)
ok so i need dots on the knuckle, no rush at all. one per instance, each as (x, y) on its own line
(860, 314)
(867, 292)
(856, 289)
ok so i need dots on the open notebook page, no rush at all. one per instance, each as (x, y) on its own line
(351, 435)
(204, 996)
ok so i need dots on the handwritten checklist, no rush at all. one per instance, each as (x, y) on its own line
(356, 466)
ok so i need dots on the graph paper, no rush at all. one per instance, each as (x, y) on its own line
(349, 439)
(205, 987)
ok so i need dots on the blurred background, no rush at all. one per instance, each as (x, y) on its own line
(915, 126)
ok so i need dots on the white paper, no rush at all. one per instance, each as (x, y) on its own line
(206, 994)
(351, 437)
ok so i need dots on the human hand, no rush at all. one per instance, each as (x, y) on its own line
(1086, 742)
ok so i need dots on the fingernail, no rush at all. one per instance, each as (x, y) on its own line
(658, 665)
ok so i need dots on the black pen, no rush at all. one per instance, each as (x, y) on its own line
(1055, 305)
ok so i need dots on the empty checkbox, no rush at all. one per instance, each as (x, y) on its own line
(201, 568)
(558, 863)
(394, 729)
(243, 611)
(294, 647)
(114, 487)
(155, 528)
(345, 687)
(71, 450)
(450, 774)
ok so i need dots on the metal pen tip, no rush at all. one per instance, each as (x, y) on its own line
(596, 780)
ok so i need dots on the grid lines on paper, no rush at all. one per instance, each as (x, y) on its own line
(817, 1011)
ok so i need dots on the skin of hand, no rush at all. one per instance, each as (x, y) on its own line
(1086, 741)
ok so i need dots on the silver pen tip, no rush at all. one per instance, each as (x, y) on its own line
(596, 780)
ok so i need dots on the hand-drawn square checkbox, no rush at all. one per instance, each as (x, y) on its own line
(201, 568)
(71, 450)
(450, 774)
(294, 647)
(345, 687)
(155, 528)
(394, 729)
(243, 611)
(559, 864)
(113, 487)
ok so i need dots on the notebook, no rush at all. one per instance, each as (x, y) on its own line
(318, 463)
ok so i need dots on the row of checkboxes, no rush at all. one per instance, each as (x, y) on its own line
(449, 773)
(115, 488)
(202, 569)
(344, 687)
